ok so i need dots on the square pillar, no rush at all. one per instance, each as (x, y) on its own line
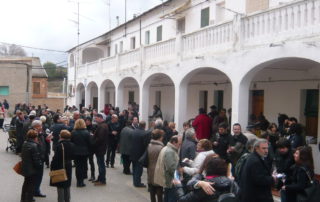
(180, 106)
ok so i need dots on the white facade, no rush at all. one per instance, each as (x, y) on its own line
(275, 50)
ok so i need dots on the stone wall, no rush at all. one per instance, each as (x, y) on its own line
(15, 77)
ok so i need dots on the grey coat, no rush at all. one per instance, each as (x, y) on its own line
(125, 140)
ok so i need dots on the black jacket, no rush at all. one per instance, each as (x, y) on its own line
(221, 185)
(224, 142)
(82, 142)
(56, 129)
(256, 178)
(57, 161)
(31, 161)
(139, 143)
(126, 140)
(100, 139)
(298, 181)
(113, 139)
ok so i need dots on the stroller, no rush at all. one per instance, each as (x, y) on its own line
(12, 139)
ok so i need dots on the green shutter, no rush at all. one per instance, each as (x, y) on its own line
(205, 17)
(4, 90)
(312, 103)
(159, 33)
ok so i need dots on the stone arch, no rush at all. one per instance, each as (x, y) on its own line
(283, 84)
(128, 90)
(91, 54)
(158, 89)
(71, 60)
(107, 93)
(80, 95)
(201, 87)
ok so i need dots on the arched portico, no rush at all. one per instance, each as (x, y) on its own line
(92, 95)
(157, 89)
(80, 95)
(127, 92)
(284, 85)
(107, 93)
(201, 88)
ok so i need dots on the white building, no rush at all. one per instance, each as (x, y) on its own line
(249, 55)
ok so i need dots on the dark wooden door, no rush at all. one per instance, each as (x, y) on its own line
(257, 102)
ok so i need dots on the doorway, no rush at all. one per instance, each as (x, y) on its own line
(257, 102)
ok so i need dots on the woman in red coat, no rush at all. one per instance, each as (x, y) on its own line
(202, 124)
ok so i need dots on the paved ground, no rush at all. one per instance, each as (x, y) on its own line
(119, 187)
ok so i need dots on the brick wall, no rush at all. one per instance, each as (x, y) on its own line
(43, 87)
(256, 5)
(52, 103)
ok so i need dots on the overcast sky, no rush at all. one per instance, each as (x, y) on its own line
(50, 24)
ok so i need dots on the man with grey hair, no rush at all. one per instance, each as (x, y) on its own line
(256, 175)
(37, 126)
(189, 145)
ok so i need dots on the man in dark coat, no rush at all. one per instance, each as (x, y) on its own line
(37, 126)
(256, 180)
(56, 129)
(222, 141)
(139, 144)
(19, 130)
(237, 145)
(114, 133)
(125, 147)
(100, 140)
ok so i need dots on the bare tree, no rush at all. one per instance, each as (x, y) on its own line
(11, 50)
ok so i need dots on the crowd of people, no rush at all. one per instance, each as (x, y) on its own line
(209, 160)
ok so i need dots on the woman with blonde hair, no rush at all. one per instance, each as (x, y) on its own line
(81, 138)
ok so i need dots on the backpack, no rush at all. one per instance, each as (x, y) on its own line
(239, 165)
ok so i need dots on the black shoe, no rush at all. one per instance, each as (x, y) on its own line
(112, 166)
(141, 185)
(40, 195)
(81, 185)
(92, 178)
(107, 165)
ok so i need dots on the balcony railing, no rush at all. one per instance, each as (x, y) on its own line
(296, 20)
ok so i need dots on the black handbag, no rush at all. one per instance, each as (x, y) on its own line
(143, 160)
(311, 193)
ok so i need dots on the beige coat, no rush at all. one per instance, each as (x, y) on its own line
(167, 163)
(154, 149)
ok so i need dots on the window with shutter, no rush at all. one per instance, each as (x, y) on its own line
(205, 17)
(159, 33)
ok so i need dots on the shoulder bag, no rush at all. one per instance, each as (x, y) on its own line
(61, 174)
(312, 192)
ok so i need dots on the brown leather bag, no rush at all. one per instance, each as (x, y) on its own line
(18, 168)
(61, 174)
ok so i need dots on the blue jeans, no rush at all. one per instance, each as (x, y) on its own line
(101, 168)
(137, 170)
(170, 195)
